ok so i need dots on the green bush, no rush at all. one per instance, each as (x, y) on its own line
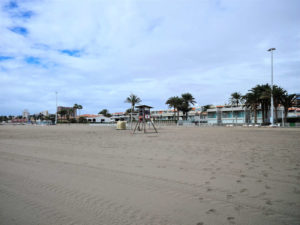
(73, 120)
(82, 120)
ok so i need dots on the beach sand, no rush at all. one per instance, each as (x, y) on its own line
(81, 174)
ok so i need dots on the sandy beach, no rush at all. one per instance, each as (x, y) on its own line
(81, 174)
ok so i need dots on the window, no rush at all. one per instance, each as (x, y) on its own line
(259, 114)
(226, 114)
(212, 115)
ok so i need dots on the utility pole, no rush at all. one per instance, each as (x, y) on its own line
(272, 101)
(56, 108)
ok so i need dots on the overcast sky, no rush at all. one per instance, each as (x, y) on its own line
(96, 53)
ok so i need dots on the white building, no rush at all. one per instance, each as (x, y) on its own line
(195, 115)
(45, 113)
(238, 115)
(122, 116)
(25, 114)
(96, 118)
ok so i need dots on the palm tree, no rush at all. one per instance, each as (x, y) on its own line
(70, 111)
(264, 95)
(80, 108)
(40, 116)
(128, 111)
(179, 105)
(172, 102)
(261, 95)
(62, 113)
(252, 102)
(187, 100)
(204, 109)
(287, 102)
(75, 107)
(265, 99)
(278, 92)
(105, 112)
(235, 98)
(133, 100)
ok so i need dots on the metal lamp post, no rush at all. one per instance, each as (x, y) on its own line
(56, 109)
(272, 101)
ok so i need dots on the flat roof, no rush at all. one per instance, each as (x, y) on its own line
(143, 106)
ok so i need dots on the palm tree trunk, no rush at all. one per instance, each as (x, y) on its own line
(276, 116)
(286, 110)
(255, 115)
(174, 114)
(131, 117)
(263, 112)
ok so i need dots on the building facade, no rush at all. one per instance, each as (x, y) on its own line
(241, 115)
(121, 116)
(195, 115)
(71, 112)
(25, 114)
(96, 118)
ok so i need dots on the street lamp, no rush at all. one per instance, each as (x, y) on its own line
(56, 109)
(272, 102)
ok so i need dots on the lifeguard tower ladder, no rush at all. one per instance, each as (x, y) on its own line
(144, 117)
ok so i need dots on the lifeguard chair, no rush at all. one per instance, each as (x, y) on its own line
(144, 117)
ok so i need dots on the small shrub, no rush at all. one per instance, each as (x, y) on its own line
(82, 120)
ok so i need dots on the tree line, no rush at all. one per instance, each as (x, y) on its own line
(260, 97)
(66, 113)
(257, 97)
(182, 104)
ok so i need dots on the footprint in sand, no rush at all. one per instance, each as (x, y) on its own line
(268, 212)
(243, 190)
(229, 197)
(268, 202)
(262, 194)
(207, 182)
(265, 175)
(296, 191)
(211, 211)
(238, 181)
(238, 208)
(200, 223)
(267, 186)
(208, 189)
(231, 219)
(243, 176)
(292, 203)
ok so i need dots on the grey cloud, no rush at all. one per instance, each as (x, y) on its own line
(154, 49)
